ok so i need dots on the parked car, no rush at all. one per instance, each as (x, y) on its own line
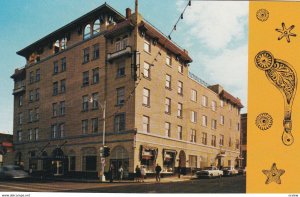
(229, 171)
(12, 172)
(242, 171)
(209, 172)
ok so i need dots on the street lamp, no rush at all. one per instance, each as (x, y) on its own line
(102, 158)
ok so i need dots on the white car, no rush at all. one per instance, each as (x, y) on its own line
(209, 172)
(12, 172)
(229, 171)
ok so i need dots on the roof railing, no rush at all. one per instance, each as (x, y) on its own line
(198, 79)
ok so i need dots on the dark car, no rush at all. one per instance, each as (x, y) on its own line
(12, 172)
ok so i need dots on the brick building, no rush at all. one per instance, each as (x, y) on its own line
(244, 139)
(156, 111)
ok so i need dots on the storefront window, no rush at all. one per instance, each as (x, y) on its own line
(148, 158)
(169, 160)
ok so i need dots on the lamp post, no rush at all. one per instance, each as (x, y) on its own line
(102, 158)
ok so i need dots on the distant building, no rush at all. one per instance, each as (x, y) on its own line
(244, 139)
(6, 147)
(156, 111)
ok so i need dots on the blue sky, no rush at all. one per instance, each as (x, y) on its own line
(214, 33)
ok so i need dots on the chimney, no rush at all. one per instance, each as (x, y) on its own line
(185, 51)
(128, 13)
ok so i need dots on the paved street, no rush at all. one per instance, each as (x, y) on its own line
(168, 185)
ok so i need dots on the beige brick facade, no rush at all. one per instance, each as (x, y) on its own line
(130, 144)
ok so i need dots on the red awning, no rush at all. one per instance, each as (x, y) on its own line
(7, 144)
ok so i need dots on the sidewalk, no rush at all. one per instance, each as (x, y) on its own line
(83, 180)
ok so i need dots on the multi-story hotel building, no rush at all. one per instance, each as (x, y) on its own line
(244, 139)
(122, 68)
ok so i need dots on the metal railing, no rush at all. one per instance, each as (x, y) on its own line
(198, 79)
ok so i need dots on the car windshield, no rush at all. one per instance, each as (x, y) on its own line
(208, 168)
(14, 167)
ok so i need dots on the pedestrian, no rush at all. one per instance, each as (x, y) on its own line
(121, 172)
(179, 171)
(111, 173)
(137, 173)
(157, 171)
(143, 173)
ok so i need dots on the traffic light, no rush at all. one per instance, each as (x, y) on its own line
(106, 151)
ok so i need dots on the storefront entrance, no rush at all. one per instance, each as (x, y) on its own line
(169, 161)
(119, 157)
(59, 162)
(182, 162)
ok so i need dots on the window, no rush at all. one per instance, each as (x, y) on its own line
(55, 67)
(146, 70)
(72, 163)
(96, 51)
(204, 138)
(213, 140)
(168, 105)
(120, 96)
(86, 55)
(20, 118)
(85, 103)
(146, 97)
(54, 131)
(146, 124)
(55, 88)
(119, 123)
(30, 115)
(168, 129)
(36, 133)
(56, 47)
(20, 100)
(237, 144)
(84, 126)
(30, 96)
(147, 46)
(214, 124)
(193, 161)
(19, 136)
(193, 95)
(124, 43)
(31, 77)
(179, 110)
(121, 68)
(54, 109)
(221, 143)
(95, 125)
(30, 134)
(37, 113)
(63, 86)
(168, 60)
(62, 108)
(180, 87)
(37, 94)
(63, 64)
(180, 68)
(222, 120)
(204, 120)
(61, 130)
(118, 45)
(193, 116)
(96, 27)
(87, 32)
(85, 78)
(179, 132)
(64, 43)
(168, 81)
(95, 99)
(95, 75)
(214, 105)
(37, 75)
(193, 135)
(204, 101)
(222, 103)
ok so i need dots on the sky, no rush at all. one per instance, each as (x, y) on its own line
(215, 33)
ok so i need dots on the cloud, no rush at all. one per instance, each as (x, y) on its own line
(230, 70)
(216, 24)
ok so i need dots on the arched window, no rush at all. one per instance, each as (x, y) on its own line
(96, 27)
(63, 43)
(87, 32)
